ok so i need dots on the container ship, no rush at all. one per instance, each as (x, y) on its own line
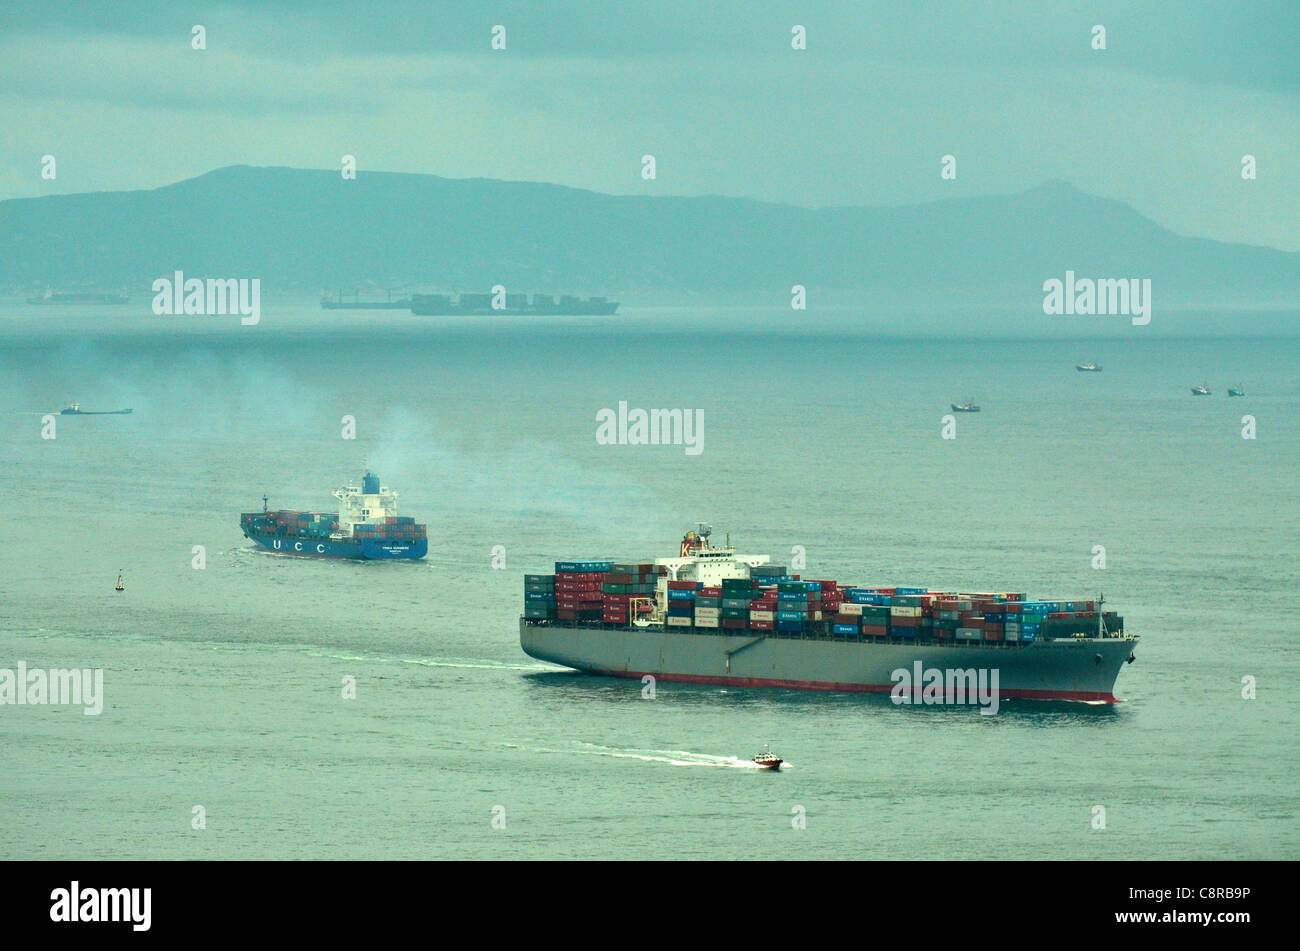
(712, 616)
(338, 303)
(443, 305)
(366, 526)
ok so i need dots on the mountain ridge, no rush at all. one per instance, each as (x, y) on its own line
(311, 229)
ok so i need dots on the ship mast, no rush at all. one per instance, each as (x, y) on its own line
(1101, 618)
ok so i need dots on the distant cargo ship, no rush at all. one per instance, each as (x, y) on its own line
(1201, 390)
(966, 407)
(443, 305)
(49, 297)
(338, 303)
(1087, 367)
(366, 526)
(76, 410)
(713, 616)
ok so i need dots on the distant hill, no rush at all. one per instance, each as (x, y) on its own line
(311, 230)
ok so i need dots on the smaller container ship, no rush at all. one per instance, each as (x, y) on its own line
(366, 526)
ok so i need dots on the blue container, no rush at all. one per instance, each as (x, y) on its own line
(791, 616)
(675, 610)
(994, 618)
(908, 632)
(676, 594)
(583, 566)
(902, 590)
(1030, 628)
(1027, 637)
(789, 625)
(844, 628)
(540, 596)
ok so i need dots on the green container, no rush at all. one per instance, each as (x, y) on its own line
(735, 613)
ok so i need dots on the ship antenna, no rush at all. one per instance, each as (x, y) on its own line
(264, 500)
(1101, 616)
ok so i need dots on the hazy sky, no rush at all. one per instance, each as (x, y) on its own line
(1160, 119)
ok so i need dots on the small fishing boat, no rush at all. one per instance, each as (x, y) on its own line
(967, 407)
(119, 586)
(767, 759)
(1087, 367)
(1201, 390)
(1236, 391)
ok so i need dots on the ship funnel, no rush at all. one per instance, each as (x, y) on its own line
(370, 483)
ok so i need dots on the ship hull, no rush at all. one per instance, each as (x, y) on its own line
(1079, 669)
(363, 549)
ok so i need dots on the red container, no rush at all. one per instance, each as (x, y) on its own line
(683, 585)
(710, 592)
(875, 630)
(993, 634)
(761, 625)
(735, 622)
(905, 621)
(566, 614)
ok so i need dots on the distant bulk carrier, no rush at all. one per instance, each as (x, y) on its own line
(365, 526)
(442, 305)
(715, 617)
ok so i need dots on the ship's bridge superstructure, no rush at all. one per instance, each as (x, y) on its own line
(700, 561)
(366, 503)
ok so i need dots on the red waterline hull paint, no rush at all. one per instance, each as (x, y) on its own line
(1086, 696)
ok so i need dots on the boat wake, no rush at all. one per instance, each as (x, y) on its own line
(668, 757)
(428, 662)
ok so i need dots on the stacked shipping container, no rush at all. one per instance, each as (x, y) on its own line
(771, 600)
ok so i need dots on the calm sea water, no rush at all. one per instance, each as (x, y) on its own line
(223, 685)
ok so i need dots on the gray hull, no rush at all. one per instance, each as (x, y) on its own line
(1082, 669)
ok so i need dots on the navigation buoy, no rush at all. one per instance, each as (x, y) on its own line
(119, 586)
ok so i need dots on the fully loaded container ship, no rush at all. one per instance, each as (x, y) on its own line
(713, 616)
(365, 526)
